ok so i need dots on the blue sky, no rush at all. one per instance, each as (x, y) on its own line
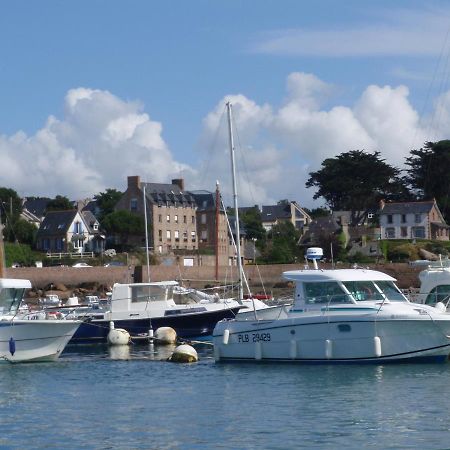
(93, 91)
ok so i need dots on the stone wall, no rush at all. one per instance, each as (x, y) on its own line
(406, 275)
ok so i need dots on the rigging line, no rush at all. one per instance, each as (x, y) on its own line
(212, 148)
(244, 163)
(430, 86)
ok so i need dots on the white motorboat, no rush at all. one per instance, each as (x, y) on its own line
(435, 284)
(29, 336)
(343, 315)
(141, 307)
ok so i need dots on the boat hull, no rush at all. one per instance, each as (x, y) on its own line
(326, 340)
(34, 340)
(187, 325)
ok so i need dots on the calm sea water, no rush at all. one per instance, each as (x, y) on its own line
(92, 399)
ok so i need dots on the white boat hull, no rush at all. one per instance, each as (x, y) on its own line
(34, 340)
(333, 339)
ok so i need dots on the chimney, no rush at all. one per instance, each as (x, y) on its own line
(134, 182)
(179, 182)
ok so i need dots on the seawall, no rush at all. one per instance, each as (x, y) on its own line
(271, 275)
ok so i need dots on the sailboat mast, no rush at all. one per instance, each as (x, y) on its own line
(235, 199)
(2, 251)
(217, 230)
(146, 235)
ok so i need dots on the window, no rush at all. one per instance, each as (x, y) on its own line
(95, 227)
(204, 235)
(389, 218)
(168, 218)
(175, 218)
(403, 218)
(324, 293)
(417, 218)
(203, 218)
(404, 232)
(185, 236)
(193, 219)
(10, 299)
(363, 290)
(418, 232)
(390, 290)
(168, 235)
(77, 229)
(133, 204)
(160, 235)
(438, 294)
(159, 218)
(390, 233)
(184, 219)
(176, 235)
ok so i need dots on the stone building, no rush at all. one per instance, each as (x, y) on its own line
(171, 214)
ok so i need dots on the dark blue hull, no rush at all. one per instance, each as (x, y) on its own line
(187, 326)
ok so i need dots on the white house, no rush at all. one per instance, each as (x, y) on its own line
(412, 220)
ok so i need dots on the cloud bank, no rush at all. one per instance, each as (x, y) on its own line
(101, 139)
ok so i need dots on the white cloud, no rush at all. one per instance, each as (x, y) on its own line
(100, 140)
(393, 32)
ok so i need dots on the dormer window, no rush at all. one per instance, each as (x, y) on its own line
(95, 227)
(133, 204)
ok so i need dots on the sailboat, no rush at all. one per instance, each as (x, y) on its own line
(253, 308)
(27, 336)
(140, 308)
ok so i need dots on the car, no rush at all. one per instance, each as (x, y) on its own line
(114, 264)
(81, 264)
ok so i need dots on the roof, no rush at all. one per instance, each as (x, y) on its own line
(407, 207)
(205, 200)
(336, 275)
(57, 222)
(168, 194)
(36, 206)
(90, 220)
(271, 213)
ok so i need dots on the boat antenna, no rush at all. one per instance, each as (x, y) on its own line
(235, 198)
(332, 256)
(146, 234)
(2, 250)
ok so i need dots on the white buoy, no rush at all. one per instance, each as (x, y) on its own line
(258, 351)
(293, 349)
(328, 348)
(117, 336)
(226, 336)
(165, 335)
(185, 354)
(377, 346)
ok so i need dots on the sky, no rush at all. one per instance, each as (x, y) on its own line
(94, 91)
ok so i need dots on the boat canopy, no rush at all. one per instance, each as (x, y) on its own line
(336, 275)
(14, 283)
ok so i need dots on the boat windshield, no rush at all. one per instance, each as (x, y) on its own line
(439, 293)
(363, 290)
(151, 293)
(10, 299)
(324, 292)
(391, 291)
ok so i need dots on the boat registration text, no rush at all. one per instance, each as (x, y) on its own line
(253, 337)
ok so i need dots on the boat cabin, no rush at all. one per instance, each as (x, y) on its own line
(138, 296)
(11, 294)
(316, 289)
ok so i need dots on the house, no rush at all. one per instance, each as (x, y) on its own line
(69, 230)
(171, 213)
(33, 210)
(412, 220)
(318, 230)
(284, 211)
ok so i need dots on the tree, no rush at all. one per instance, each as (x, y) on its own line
(356, 181)
(282, 245)
(21, 231)
(59, 203)
(251, 218)
(10, 205)
(429, 173)
(106, 201)
(124, 224)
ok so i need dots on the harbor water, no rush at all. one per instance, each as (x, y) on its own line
(97, 397)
